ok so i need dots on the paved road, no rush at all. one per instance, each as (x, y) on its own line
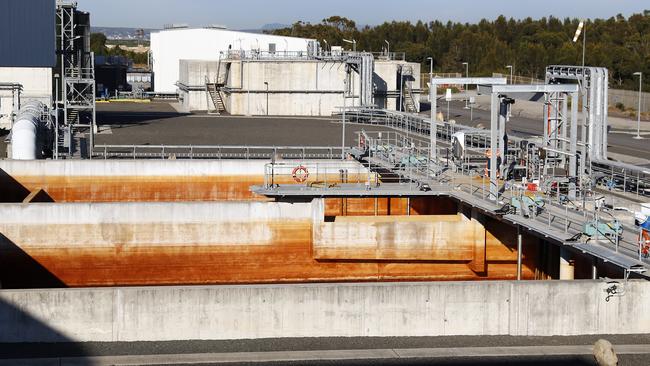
(13, 351)
(619, 142)
(531, 355)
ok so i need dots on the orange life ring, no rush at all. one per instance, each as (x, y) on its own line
(300, 174)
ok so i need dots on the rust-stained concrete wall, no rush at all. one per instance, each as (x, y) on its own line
(109, 244)
(196, 222)
(323, 310)
(151, 180)
(416, 238)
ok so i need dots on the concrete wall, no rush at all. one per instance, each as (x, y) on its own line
(153, 180)
(37, 85)
(325, 310)
(122, 244)
(428, 238)
(168, 47)
(386, 80)
(72, 245)
(295, 88)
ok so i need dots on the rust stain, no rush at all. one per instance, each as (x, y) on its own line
(287, 259)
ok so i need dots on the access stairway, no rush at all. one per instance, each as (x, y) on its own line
(214, 94)
(213, 89)
(408, 99)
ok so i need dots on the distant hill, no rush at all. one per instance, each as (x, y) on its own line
(274, 26)
(122, 33)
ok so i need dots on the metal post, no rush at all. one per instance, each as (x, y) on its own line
(573, 146)
(433, 129)
(519, 253)
(466, 75)
(401, 88)
(343, 134)
(584, 44)
(56, 119)
(494, 135)
(638, 123)
(594, 268)
(267, 97)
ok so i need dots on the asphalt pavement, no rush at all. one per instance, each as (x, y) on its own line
(620, 141)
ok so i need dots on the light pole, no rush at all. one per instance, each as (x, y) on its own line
(266, 83)
(388, 49)
(638, 114)
(345, 90)
(512, 73)
(433, 130)
(582, 29)
(430, 59)
(467, 76)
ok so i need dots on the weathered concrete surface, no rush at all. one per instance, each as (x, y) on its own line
(417, 238)
(112, 244)
(325, 310)
(148, 180)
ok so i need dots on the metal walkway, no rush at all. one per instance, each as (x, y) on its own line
(404, 154)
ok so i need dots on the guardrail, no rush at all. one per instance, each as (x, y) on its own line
(214, 152)
(319, 174)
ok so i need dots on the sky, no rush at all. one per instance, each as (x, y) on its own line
(253, 14)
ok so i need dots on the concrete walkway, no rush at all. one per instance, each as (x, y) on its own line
(330, 355)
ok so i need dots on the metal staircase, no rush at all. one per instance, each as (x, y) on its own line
(213, 89)
(408, 99)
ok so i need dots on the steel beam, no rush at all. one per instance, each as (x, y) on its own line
(469, 81)
(535, 88)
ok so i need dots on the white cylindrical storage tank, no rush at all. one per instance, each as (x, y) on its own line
(24, 133)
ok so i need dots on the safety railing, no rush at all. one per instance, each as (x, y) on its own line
(325, 175)
(577, 222)
(214, 152)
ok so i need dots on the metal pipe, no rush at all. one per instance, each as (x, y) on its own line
(519, 253)
(26, 132)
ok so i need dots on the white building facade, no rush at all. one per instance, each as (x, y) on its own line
(169, 46)
(308, 87)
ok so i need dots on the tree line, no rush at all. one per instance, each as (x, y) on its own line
(98, 46)
(621, 44)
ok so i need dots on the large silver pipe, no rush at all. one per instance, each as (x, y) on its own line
(26, 133)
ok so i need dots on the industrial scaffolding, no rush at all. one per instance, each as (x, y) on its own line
(74, 81)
